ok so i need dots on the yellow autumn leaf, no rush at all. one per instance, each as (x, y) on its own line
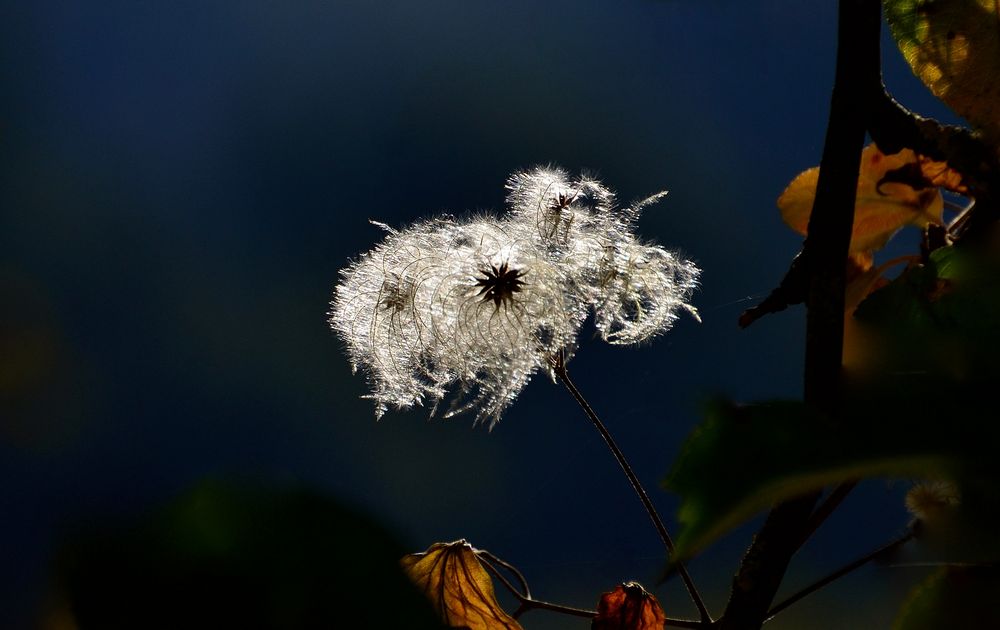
(629, 607)
(458, 586)
(940, 174)
(954, 47)
(892, 192)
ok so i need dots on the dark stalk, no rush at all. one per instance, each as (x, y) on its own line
(559, 367)
(839, 573)
(826, 508)
(824, 252)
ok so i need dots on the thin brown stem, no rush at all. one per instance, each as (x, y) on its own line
(826, 508)
(683, 623)
(839, 573)
(482, 553)
(559, 367)
(527, 602)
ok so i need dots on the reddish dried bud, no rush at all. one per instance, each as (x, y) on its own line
(629, 607)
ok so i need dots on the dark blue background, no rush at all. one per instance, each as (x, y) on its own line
(182, 181)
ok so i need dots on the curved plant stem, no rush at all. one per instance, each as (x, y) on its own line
(839, 573)
(525, 598)
(559, 367)
(482, 553)
(529, 603)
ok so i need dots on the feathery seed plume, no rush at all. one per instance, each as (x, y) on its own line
(475, 307)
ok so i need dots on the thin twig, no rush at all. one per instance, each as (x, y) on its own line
(535, 604)
(527, 602)
(839, 573)
(963, 215)
(559, 367)
(683, 623)
(482, 553)
(826, 508)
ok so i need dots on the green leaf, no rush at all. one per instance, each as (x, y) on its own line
(953, 597)
(954, 47)
(920, 404)
(236, 556)
(744, 458)
(940, 317)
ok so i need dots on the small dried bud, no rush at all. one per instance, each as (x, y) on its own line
(629, 607)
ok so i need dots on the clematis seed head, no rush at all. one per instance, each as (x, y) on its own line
(471, 309)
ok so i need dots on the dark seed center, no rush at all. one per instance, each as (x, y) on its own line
(499, 283)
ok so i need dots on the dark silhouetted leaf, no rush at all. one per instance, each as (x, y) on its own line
(919, 403)
(458, 586)
(233, 556)
(743, 459)
(628, 607)
(940, 317)
(953, 597)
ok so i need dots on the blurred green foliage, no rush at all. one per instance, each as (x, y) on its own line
(953, 597)
(227, 555)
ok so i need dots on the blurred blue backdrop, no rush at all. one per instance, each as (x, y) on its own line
(182, 181)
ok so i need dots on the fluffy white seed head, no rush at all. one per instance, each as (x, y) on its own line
(476, 307)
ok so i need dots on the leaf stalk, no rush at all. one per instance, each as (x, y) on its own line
(559, 368)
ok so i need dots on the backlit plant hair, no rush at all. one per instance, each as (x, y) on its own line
(475, 307)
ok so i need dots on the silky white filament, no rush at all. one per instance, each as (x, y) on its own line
(476, 307)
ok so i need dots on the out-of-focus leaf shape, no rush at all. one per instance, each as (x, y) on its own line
(458, 586)
(919, 402)
(939, 317)
(954, 47)
(892, 193)
(953, 597)
(744, 458)
(232, 555)
(629, 607)
(863, 277)
(861, 282)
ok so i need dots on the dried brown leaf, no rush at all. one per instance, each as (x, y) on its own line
(458, 586)
(942, 175)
